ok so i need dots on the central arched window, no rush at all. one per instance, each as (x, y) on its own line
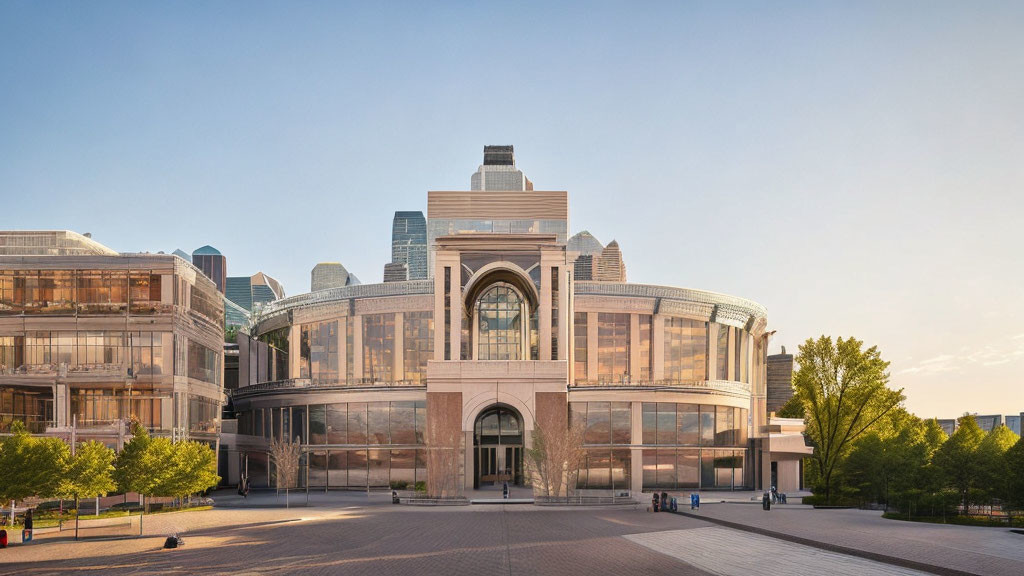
(500, 324)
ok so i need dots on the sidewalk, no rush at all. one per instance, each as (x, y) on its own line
(945, 548)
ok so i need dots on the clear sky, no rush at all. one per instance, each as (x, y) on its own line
(855, 167)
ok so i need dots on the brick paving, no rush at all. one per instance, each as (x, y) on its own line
(374, 540)
(967, 549)
(353, 534)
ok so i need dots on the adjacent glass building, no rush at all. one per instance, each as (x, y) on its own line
(668, 383)
(91, 339)
(409, 243)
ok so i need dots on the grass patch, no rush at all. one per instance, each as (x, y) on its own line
(52, 519)
(983, 521)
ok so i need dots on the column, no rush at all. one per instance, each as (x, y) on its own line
(343, 347)
(713, 351)
(294, 350)
(658, 348)
(399, 356)
(592, 347)
(565, 318)
(636, 453)
(357, 347)
(544, 316)
(634, 348)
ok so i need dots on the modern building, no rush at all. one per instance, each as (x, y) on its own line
(499, 172)
(90, 339)
(1013, 422)
(326, 275)
(395, 272)
(584, 244)
(409, 244)
(948, 425)
(780, 380)
(249, 291)
(444, 379)
(213, 264)
(610, 267)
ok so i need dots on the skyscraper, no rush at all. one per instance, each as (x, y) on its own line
(331, 275)
(409, 243)
(395, 272)
(610, 267)
(498, 172)
(213, 264)
(247, 291)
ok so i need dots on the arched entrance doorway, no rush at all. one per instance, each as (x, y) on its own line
(498, 447)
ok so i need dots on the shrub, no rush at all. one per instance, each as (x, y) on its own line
(399, 484)
(420, 486)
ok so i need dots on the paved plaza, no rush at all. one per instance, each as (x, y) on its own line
(353, 534)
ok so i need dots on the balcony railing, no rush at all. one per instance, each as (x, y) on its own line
(325, 383)
(33, 424)
(729, 386)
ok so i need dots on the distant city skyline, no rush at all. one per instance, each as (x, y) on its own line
(856, 170)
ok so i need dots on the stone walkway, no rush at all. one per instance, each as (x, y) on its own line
(968, 549)
(750, 554)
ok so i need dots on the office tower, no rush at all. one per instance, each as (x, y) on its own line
(610, 267)
(409, 243)
(248, 291)
(331, 275)
(395, 272)
(584, 267)
(584, 243)
(780, 380)
(498, 172)
(213, 264)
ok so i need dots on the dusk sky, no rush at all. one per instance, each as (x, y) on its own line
(857, 168)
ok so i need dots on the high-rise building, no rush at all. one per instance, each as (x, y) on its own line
(498, 172)
(1013, 422)
(584, 267)
(248, 291)
(780, 380)
(409, 243)
(610, 267)
(213, 264)
(585, 244)
(395, 272)
(331, 275)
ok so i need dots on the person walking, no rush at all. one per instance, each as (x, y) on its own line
(26, 534)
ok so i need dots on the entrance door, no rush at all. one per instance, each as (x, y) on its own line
(498, 443)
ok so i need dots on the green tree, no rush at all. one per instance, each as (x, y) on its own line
(131, 467)
(1015, 480)
(30, 466)
(193, 470)
(957, 458)
(885, 464)
(793, 408)
(89, 473)
(844, 393)
(161, 460)
(993, 471)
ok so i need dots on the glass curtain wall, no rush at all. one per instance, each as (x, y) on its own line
(500, 324)
(686, 344)
(350, 445)
(607, 436)
(378, 347)
(418, 341)
(613, 347)
(693, 446)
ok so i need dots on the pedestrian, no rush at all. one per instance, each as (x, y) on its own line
(26, 534)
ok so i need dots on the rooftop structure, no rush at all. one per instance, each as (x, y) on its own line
(50, 243)
(498, 172)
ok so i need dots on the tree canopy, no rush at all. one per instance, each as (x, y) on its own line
(844, 392)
